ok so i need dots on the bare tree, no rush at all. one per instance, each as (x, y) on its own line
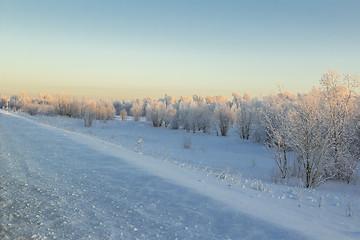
(274, 115)
(244, 114)
(224, 117)
(307, 137)
(339, 110)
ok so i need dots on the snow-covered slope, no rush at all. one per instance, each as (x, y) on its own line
(64, 184)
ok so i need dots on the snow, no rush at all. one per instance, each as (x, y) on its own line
(61, 180)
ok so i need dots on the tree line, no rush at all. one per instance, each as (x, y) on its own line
(321, 128)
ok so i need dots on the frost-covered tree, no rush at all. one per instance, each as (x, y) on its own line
(244, 114)
(105, 110)
(202, 117)
(3, 101)
(168, 114)
(307, 137)
(88, 112)
(168, 100)
(123, 114)
(223, 118)
(339, 112)
(186, 115)
(159, 113)
(137, 110)
(154, 113)
(44, 98)
(66, 106)
(276, 124)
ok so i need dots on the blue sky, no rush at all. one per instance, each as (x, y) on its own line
(127, 49)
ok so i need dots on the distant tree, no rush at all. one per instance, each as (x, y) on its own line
(44, 98)
(88, 112)
(244, 114)
(137, 110)
(155, 112)
(123, 114)
(224, 118)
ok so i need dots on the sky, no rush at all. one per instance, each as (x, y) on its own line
(142, 48)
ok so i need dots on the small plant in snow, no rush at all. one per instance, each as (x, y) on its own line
(321, 202)
(253, 162)
(349, 209)
(223, 175)
(257, 185)
(187, 142)
(138, 146)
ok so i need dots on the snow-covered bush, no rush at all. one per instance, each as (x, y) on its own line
(88, 114)
(244, 114)
(17, 101)
(44, 98)
(137, 110)
(66, 106)
(123, 114)
(186, 116)
(307, 139)
(275, 121)
(105, 110)
(155, 112)
(41, 105)
(175, 121)
(30, 108)
(100, 110)
(3, 101)
(168, 115)
(202, 117)
(159, 113)
(224, 117)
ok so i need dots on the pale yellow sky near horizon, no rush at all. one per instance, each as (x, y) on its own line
(137, 49)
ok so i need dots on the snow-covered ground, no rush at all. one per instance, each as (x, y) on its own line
(61, 180)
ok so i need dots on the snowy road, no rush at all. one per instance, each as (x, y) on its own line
(59, 184)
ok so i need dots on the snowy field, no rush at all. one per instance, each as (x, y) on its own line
(128, 180)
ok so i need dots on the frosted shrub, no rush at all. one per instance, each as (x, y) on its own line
(31, 108)
(44, 98)
(202, 117)
(66, 106)
(244, 114)
(186, 116)
(155, 112)
(123, 114)
(175, 121)
(105, 110)
(339, 110)
(224, 118)
(159, 113)
(168, 115)
(276, 124)
(349, 209)
(46, 109)
(137, 110)
(89, 116)
(35, 107)
(88, 112)
(3, 101)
